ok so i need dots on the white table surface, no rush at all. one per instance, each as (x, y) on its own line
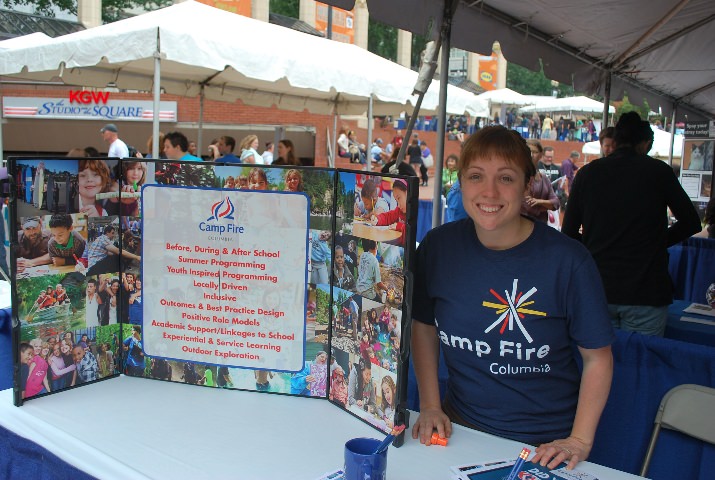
(139, 428)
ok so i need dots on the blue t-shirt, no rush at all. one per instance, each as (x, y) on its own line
(134, 356)
(513, 376)
(229, 158)
(455, 207)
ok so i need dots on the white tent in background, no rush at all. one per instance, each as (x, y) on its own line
(661, 145)
(578, 104)
(36, 38)
(505, 96)
(192, 49)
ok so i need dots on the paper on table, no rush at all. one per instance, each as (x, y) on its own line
(700, 309)
(704, 321)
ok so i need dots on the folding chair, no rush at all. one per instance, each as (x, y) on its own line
(687, 409)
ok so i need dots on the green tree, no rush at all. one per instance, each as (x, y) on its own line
(524, 81)
(382, 40)
(112, 10)
(289, 8)
(627, 106)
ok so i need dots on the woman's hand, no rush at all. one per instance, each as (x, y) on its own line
(571, 450)
(431, 419)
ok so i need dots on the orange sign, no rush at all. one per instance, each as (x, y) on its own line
(488, 72)
(343, 30)
(241, 7)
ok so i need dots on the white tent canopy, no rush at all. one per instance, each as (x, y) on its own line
(661, 145)
(191, 49)
(201, 46)
(504, 96)
(650, 49)
(578, 104)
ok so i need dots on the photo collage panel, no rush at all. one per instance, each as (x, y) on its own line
(368, 288)
(66, 268)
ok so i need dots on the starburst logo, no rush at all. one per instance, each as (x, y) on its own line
(222, 209)
(512, 310)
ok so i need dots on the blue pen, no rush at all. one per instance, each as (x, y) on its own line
(519, 463)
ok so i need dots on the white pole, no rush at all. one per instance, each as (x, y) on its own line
(157, 97)
(368, 143)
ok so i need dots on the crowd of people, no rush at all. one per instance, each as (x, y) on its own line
(176, 146)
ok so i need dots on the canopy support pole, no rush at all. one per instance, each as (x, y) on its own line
(368, 143)
(450, 6)
(157, 97)
(672, 136)
(333, 145)
(199, 143)
(606, 99)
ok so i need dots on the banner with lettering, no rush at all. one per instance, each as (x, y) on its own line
(263, 278)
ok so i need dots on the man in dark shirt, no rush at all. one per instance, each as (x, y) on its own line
(32, 244)
(621, 203)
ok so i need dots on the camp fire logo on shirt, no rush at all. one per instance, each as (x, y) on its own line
(222, 209)
(511, 310)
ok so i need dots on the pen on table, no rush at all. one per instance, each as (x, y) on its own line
(388, 439)
(519, 463)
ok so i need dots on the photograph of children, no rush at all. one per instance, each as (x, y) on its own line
(343, 276)
(53, 244)
(396, 218)
(338, 377)
(698, 155)
(346, 320)
(134, 361)
(44, 186)
(312, 379)
(102, 252)
(50, 303)
(380, 272)
(387, 398)
(320, 261)
(60, 359)
(128, 177)
(94, 182)
(108, 297)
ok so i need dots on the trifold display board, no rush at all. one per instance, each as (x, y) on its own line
(272, 279)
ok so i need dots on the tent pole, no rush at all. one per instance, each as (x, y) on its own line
(606, 99)
(331, 159)
(368, 143)
(199, 145)
(672, 137)
(450, 7)
(157, 106)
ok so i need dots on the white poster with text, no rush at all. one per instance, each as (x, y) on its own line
(228, 284)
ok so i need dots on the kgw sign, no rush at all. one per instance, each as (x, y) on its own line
(86, 97)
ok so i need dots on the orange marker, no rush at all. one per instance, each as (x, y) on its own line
(437, 440)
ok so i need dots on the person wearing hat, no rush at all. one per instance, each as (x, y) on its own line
(32, 244)
(117, 148)
(377, 153)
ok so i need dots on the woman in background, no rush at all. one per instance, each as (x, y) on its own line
(286, 154)
(249, 154)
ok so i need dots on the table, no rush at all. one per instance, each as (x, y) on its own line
(138, 428)
(677, 329)
(691, 265)
(379, 234)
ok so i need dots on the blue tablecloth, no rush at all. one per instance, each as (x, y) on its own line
(21, 458)
(692, 268)
(645, 368)
(5, 348)
(689, 331)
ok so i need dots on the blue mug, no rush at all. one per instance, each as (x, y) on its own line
(361, 463)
